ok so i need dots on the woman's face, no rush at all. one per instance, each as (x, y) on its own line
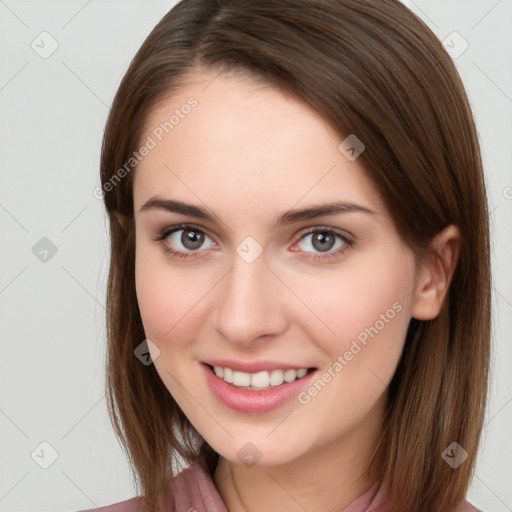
(266, 273)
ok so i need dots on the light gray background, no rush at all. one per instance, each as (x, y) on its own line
(52, 328)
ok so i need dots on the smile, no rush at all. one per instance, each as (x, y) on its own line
(260, 380)
(260, 395)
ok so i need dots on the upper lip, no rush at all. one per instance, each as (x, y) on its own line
(254, 366)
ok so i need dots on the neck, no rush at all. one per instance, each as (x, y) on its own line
(325, 479)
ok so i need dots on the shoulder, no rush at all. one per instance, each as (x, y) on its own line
(467, 507)
(193, 489)
(131, 505)
(378, 504)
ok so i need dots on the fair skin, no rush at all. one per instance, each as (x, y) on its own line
(248, 153)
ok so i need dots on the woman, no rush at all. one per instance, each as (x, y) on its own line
(299, 290)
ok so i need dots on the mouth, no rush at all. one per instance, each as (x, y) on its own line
(259, 381)
(257, 393)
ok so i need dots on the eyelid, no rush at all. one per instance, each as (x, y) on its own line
(169, 230)
(347, 238)
(340, 232)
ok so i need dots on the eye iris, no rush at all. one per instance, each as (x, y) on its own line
(192, 239)
(323, 241)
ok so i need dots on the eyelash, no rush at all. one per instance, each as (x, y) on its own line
(162, 235)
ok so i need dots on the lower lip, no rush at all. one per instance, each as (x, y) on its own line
(247, 401)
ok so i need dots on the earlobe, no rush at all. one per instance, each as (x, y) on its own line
(435, 274)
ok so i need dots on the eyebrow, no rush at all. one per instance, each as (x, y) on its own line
(286, 218)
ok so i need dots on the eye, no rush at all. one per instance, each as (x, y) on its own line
(325, 242)
(182, 240)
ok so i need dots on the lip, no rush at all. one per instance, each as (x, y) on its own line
(246, 401)
(253, 366)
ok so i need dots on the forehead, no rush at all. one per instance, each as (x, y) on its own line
(225, 137)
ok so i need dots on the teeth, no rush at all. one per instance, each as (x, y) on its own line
(289, 375)
(241, 379)
(260, 380)
(276, 377)
(228, 374)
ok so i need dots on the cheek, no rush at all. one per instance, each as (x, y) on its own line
(169, 297)
(364, 305)
(368, 308)
(157, 295)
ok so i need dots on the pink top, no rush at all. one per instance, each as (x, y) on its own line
(194, 491)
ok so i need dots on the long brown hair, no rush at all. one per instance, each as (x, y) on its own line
(373, 69)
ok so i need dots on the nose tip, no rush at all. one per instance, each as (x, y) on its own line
(249, 303)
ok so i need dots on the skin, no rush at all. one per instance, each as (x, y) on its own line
(247, 153)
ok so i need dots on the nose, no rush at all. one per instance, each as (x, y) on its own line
(250, 304)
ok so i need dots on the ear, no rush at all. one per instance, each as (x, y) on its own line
(435, 274)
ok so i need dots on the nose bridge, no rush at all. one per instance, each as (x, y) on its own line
(248, 304)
